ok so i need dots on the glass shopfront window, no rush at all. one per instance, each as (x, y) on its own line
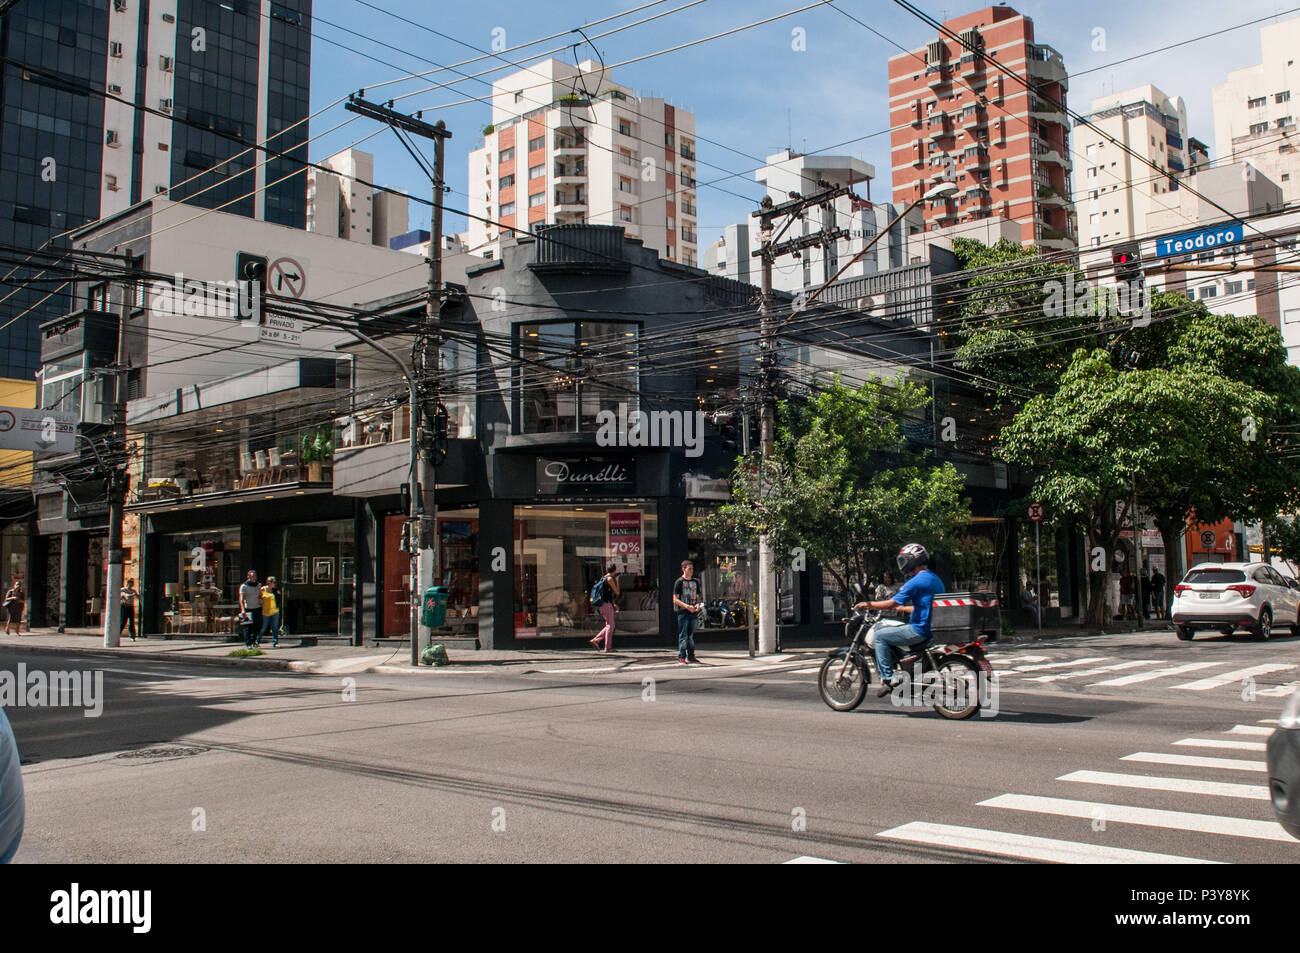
(561, 549)
(722, 574)
(315, 565)
(200, 576)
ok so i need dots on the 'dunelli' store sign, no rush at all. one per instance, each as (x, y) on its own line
(586, 476)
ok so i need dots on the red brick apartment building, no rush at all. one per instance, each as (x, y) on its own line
(956, 116)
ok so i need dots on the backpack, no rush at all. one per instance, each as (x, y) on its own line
(598, 593)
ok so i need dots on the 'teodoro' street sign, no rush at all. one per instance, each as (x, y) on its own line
(22, 428)
(1200, 240)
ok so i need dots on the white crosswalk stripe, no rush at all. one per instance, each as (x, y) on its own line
(1150, 676)
(1214, 681)
(1249, 730)
(1144, 816)
(1195, 761)
(1007, 844)
(1223, 743)
(1119, 666)
(1071, 662)
(1250, 792)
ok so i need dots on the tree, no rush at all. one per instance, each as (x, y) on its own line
(842, 484)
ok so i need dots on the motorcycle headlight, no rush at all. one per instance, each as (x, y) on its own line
(1291, 713)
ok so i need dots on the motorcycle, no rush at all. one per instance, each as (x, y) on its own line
(951, 672)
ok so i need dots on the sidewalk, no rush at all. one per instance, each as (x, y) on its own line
(345, 659)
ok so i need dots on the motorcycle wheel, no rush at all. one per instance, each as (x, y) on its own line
(842, 694)
(959, 681)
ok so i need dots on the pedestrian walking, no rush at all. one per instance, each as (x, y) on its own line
(1126, 595)
(129, 596)
(1144, 593)
(14, 606)
(250, 608)
(687, 602)
(885, 589)
(269, 599)
(1158, 592)
(608, 592)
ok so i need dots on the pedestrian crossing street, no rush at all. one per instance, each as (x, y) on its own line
(1112, 830)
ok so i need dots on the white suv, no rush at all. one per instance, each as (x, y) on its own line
(1231, 596)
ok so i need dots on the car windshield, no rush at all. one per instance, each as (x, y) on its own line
(1215, 577)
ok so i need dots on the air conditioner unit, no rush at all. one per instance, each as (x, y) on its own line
(115, 89)
(159, 189)
(115, 48)
(111, 138)
(119, 6)
(110, 182)
(165, 63)
(165, 105)
(168, 18)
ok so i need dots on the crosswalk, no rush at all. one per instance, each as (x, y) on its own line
(1192, 819)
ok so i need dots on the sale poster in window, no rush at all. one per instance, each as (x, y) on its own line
(623, 539)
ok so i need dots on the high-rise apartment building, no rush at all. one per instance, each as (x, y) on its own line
(567, 144)
(788, 172)
(210, 69)
(1255, 115)
(1114, 190)
(957, 117)
(344, 206)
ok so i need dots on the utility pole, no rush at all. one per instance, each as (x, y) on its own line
(425, 371)
(117, 475)
(768, 372)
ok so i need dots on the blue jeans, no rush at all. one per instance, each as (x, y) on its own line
(890, 634)
(271, 622)
(252, 628)
(686, 634)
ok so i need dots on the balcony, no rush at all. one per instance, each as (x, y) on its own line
(569, 146)
(374, 450)
(975, 159)
(1046, 64)
(1051, 197)
(938, 127)
(972, 118)
(570, 202)
(570, 174)
(937, 76)
(1044, 111)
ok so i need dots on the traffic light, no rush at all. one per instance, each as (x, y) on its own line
(1127, 262)
(252, 269)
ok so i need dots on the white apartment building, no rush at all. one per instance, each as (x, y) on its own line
(786, 172)
(343, 206)
(1255, 112)
(568, 144)
(1114, 192)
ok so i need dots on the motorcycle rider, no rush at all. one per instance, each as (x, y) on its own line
(916, 597)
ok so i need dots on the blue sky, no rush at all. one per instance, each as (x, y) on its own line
(751, 92)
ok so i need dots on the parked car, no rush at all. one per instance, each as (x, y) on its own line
(1284, 767)
(1232, 596)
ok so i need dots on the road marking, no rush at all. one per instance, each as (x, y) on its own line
(1158, 673)
(1249, 730)
(811, 860)
(805, 671)
(1268, 721)
(1182, 785)
(1279, 691)
(1195, 761)
(1008, 656)
(131, 671)
(1023, 845)
(1078, 661)
(1238, 675)
(1145, 816)
(1092, 671)
(1223, 743)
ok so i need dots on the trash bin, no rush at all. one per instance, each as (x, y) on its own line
(435, 606)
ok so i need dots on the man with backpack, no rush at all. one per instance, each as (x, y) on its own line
(603, 594)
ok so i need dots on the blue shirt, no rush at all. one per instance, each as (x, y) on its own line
(919, 592)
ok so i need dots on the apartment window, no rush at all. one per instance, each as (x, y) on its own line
(538, 143)
(98, 298)
(1258, 127)
(506, 181)
(668, 139)
(1232, 287)
(625, 157)
(115, 49)
(625, 213)
(625, 127)
(110, 182)
(536, 200)
(1256, 103)
(537, 171)
(624, 185)
(1285, 121)
(508, 155)
(508, 209)
(1282, 97)
(1209, 291)
(1250, 284)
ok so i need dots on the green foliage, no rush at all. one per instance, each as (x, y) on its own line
(246, 653)
(842, 485)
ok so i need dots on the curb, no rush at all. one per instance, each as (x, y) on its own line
(101, 652)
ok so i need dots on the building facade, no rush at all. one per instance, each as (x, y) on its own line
(69, 155)
(567, 144)
(957, 117)
(1115, 192)
(1255, 115)
(342, 205)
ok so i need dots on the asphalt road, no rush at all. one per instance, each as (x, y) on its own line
(1129, 748)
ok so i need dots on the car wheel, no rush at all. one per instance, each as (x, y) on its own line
(1264, 628)
(1185, 633)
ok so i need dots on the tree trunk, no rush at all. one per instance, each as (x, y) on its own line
(1103, 533)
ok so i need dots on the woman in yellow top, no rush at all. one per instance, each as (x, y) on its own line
(270, 612)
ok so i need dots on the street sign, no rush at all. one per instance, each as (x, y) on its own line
(1035, 511)
(286, 277)
(22, 428)
(1200, 240)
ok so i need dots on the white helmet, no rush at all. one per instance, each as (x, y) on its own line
(911, 556)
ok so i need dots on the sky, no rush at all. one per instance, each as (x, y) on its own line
(754, 92)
